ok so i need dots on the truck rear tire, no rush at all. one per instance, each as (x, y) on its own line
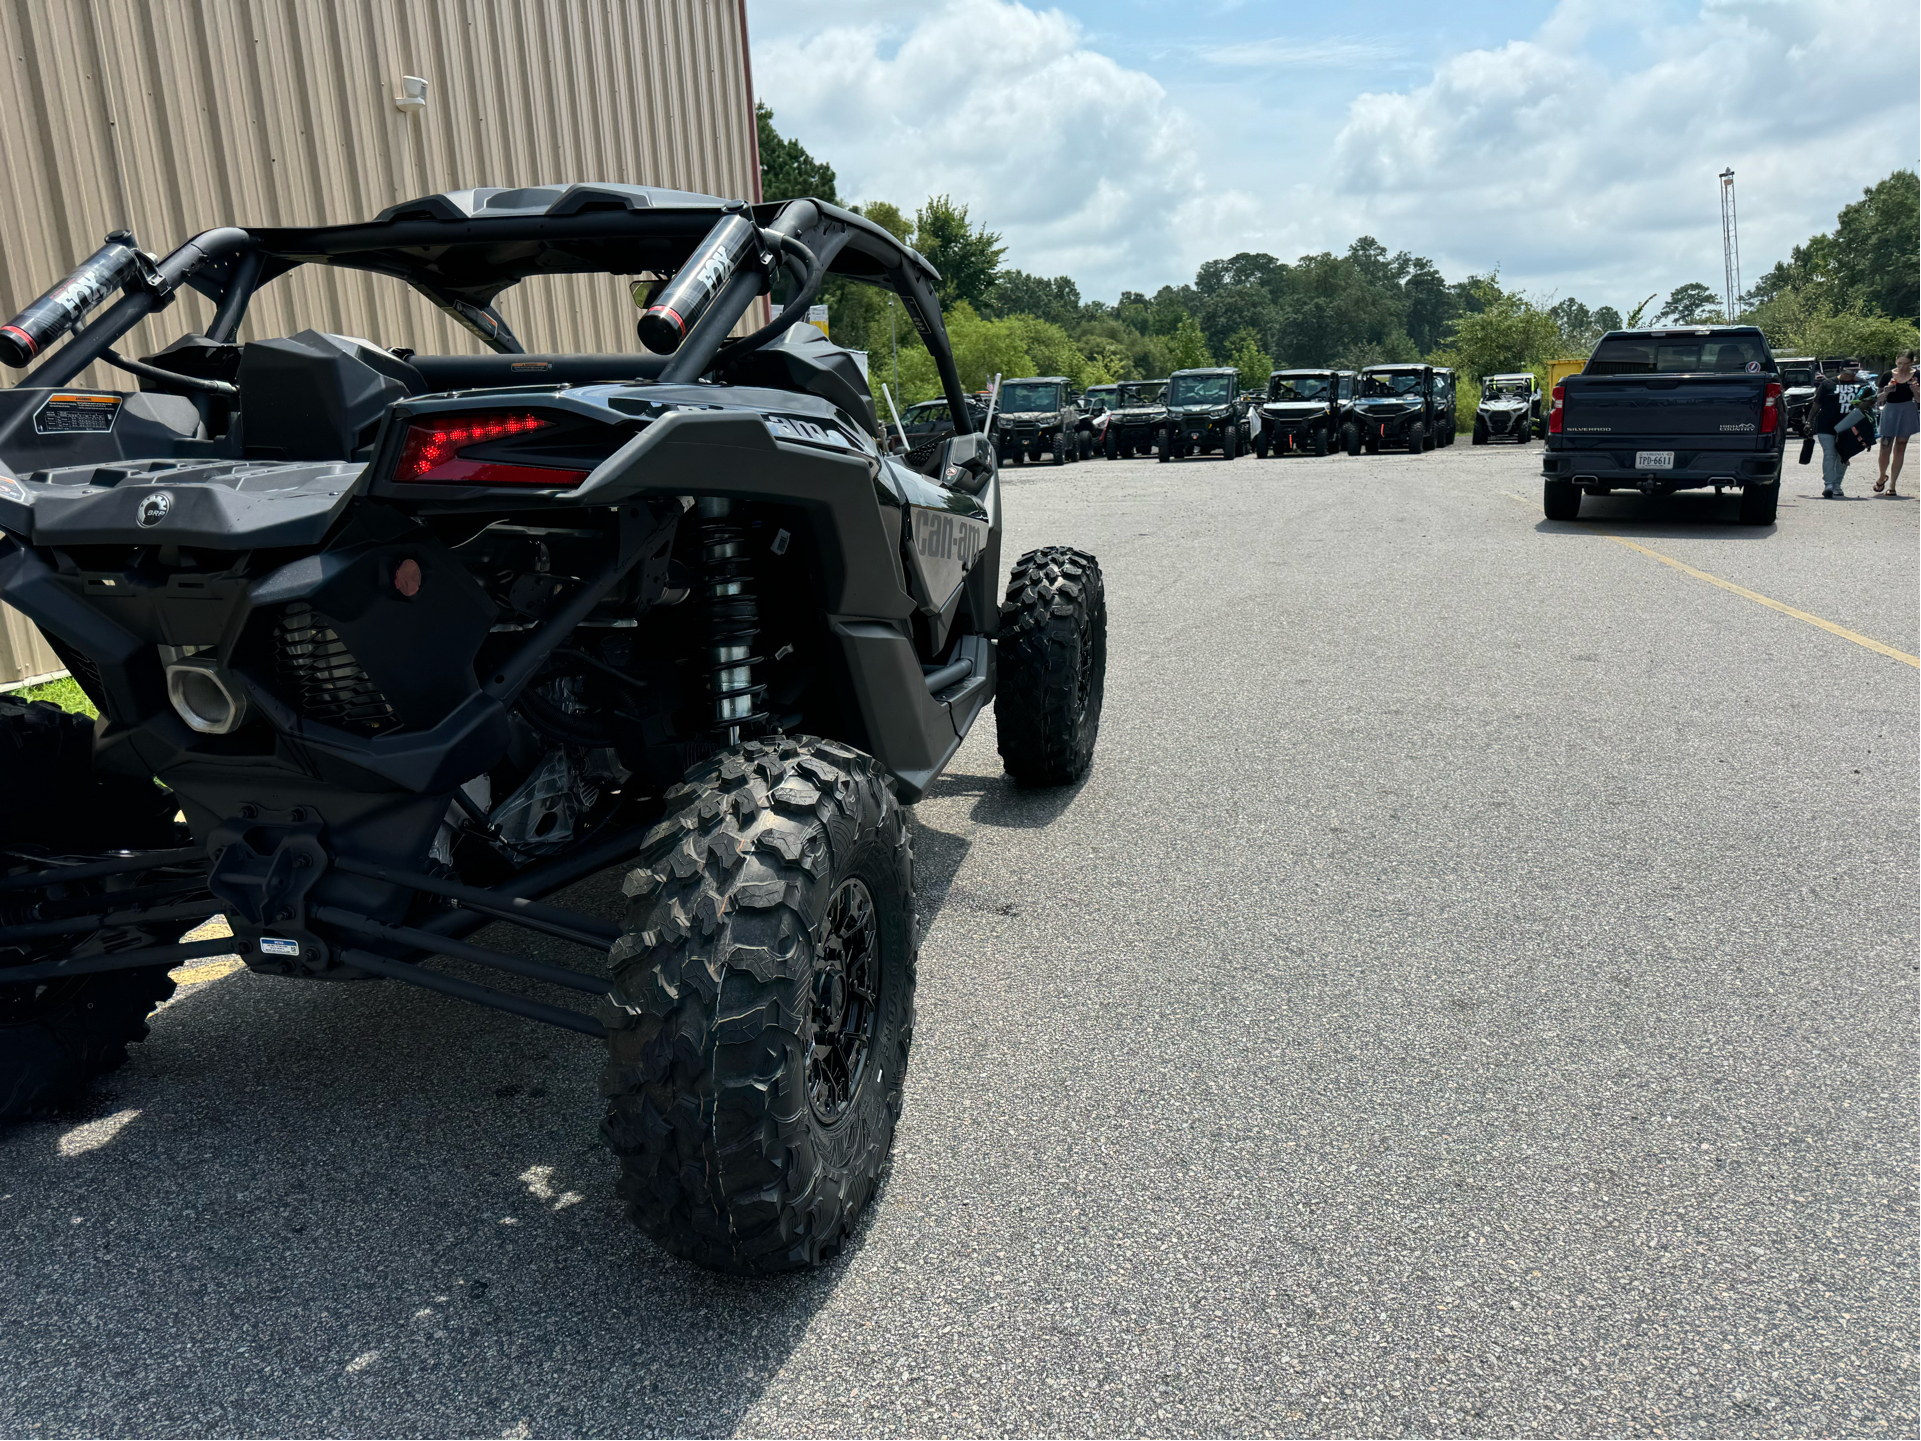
(57, 1035)
(763, 1005)
(1053, 666)
(1561, 500)
(1759, 503)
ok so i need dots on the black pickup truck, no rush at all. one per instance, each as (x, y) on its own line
(1665, 410)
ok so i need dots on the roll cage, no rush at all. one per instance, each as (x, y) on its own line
(462, 249)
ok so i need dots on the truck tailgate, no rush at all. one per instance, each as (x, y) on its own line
(1712, 412)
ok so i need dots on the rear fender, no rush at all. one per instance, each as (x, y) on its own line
(736, 454)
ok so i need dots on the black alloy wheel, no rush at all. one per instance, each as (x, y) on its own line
(763, 1006)
(846, 1001)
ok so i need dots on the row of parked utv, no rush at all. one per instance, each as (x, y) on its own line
(1206, 412)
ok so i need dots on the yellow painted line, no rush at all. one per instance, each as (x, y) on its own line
(1814, 620)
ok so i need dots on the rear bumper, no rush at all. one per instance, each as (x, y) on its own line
(1692, 470)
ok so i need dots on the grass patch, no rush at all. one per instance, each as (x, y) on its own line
(65, 693)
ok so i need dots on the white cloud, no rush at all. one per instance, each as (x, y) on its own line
(1579, 156)
(1571, 171)
(1342, 53)
(1084, 165)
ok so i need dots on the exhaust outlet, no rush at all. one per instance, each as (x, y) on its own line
(204, 696)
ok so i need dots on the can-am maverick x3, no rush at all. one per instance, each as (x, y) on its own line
(413, 640)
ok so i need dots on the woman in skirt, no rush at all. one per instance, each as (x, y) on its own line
(1900, 418)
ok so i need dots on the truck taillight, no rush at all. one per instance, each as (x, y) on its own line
(1554, 415)
(1771, 409)
(432, 453)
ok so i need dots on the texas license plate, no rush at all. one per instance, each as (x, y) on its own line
(1654, 460)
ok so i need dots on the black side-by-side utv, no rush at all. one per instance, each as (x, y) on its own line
(388, 646)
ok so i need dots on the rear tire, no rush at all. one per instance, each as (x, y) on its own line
(764, 1009)
(56, 1035)
(1759, 503)
(1561, 500)
(1053, 666)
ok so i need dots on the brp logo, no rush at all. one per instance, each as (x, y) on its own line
(154, 508)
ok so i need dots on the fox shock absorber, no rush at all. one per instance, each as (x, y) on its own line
(732, 613)
(115, 264)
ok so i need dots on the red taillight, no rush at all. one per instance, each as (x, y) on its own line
(1771, 409)
(1554, 415)
(431, 453)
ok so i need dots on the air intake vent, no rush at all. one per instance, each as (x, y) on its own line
(82, 669)
(319, 676)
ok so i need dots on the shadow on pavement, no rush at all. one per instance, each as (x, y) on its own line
(1001, 802)
(1689, 515)
(308, 1208)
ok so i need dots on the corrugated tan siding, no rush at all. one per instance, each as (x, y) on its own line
(168, 117)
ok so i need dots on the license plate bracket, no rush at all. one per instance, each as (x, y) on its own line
(1654, 460)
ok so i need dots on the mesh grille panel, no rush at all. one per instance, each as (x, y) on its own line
(320, 678)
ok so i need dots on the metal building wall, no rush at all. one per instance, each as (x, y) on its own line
(168, 117)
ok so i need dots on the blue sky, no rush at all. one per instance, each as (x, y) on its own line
(1572, 145)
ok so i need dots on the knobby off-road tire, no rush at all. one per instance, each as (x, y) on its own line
(1260, 444)
(1320, 441)
(1111, 446)
(1351, 439)
(1053, 666)
(1480, 431)
(764, 986)
(1759, 503)
(1561, 500)
(56, 1035)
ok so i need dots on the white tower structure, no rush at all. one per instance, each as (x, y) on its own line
(1730, 246)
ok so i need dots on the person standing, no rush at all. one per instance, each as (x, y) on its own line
(1823, 414)
(1900, 419)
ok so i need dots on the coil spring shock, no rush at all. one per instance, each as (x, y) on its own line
(733, 620)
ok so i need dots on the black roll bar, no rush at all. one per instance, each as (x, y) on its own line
(134, 306)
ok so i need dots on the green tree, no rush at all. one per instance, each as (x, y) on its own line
(1108, 356)
(888, 217)
(787, 171)
(1605, 319)
(968, 257)
(1878, 247)
(1633, 322)
(1189, 348)
(1018, 293)
(1254, 364)
(1689, 304)
(1510, 333)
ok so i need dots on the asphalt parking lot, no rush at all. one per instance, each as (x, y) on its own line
(1473, 993)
